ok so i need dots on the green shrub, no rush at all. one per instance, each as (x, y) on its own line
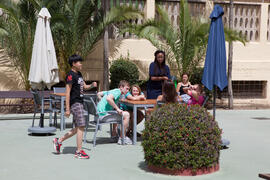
(123, 69)
(196, 76)
(179, 137)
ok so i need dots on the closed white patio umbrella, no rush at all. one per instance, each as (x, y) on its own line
(44, 68)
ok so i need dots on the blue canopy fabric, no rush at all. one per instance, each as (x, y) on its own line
(215, 72)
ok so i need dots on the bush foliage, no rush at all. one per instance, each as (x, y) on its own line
(179, 137)
(123, 69)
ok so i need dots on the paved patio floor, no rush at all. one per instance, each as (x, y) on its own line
(31, 157)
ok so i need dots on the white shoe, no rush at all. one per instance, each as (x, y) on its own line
(120, 141)
(127, 141)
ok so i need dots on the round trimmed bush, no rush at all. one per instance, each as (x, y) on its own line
(178, 137)
(123, 69)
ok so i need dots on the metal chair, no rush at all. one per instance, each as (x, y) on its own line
(59, 90)
(56, 100)
(37, 106)
(111, 117)
(205, 101)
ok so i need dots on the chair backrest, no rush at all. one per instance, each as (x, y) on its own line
(90, 106)
(205, 101)
(93, 96)
(160, 103)
(59, 90)
(37, 98)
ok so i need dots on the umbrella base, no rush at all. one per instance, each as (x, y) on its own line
(225, 142)
(41, 130)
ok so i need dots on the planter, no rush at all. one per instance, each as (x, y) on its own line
(184, 172)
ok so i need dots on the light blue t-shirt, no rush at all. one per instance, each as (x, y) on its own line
(103, 104)
(125, 107)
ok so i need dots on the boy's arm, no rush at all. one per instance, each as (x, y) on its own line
(94, 84)
(100, 95)
(110, 100)
(68, 88)
(130, 97)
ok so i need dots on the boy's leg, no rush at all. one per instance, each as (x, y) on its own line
(126, 117)
(71, 133)
(140, 117)
(114, 130)
(79, 121)
(80, 131)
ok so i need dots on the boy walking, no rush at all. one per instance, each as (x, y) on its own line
(74, 105)
(109, 102)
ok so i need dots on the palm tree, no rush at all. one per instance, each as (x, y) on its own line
(186, 44)
(76, 27)
(106, 51)
(17, 26)
(230, 90)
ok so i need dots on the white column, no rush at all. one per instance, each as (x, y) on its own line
(263, 22)
(149, 9)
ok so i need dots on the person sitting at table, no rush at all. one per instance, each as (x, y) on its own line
(136, 94)
(158, 72)
(109, 102)
(181, 85)
(184, 83)
(169, 94)
(196, 94)
(101, 94)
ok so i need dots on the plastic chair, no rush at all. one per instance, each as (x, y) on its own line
(37, 106)
(111, 117)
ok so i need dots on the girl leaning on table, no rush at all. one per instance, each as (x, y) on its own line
(135, 95)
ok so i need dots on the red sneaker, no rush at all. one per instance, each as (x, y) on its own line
(81, 155)
(57, 145)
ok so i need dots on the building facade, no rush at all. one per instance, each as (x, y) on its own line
(251, 63)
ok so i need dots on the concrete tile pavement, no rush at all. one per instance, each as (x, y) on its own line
(32, 157)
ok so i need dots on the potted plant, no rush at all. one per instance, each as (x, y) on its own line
(181, 140)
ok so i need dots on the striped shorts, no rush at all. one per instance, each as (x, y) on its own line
(77, 111)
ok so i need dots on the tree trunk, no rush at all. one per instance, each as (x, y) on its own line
(230, 57)
(106, 52)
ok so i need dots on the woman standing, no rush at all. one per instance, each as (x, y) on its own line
(158, 72)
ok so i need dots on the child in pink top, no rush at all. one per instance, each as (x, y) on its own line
(195, 93)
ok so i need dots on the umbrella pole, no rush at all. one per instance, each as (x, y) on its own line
(42, 109)
(214, 102)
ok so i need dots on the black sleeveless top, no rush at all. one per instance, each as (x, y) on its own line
(181, 91)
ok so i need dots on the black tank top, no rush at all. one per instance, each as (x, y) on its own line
(181, 89)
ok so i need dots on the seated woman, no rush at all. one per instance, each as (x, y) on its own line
(195, 92)
(135, 95)
(183, 84)
(169, 94)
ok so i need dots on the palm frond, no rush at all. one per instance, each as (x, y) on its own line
(232, 35)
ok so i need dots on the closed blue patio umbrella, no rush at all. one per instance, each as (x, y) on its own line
(215, 73)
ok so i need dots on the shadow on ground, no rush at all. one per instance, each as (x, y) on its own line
(71, 150)
(261, 118)
(45, 134)
(102, 140)
(143, 166)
